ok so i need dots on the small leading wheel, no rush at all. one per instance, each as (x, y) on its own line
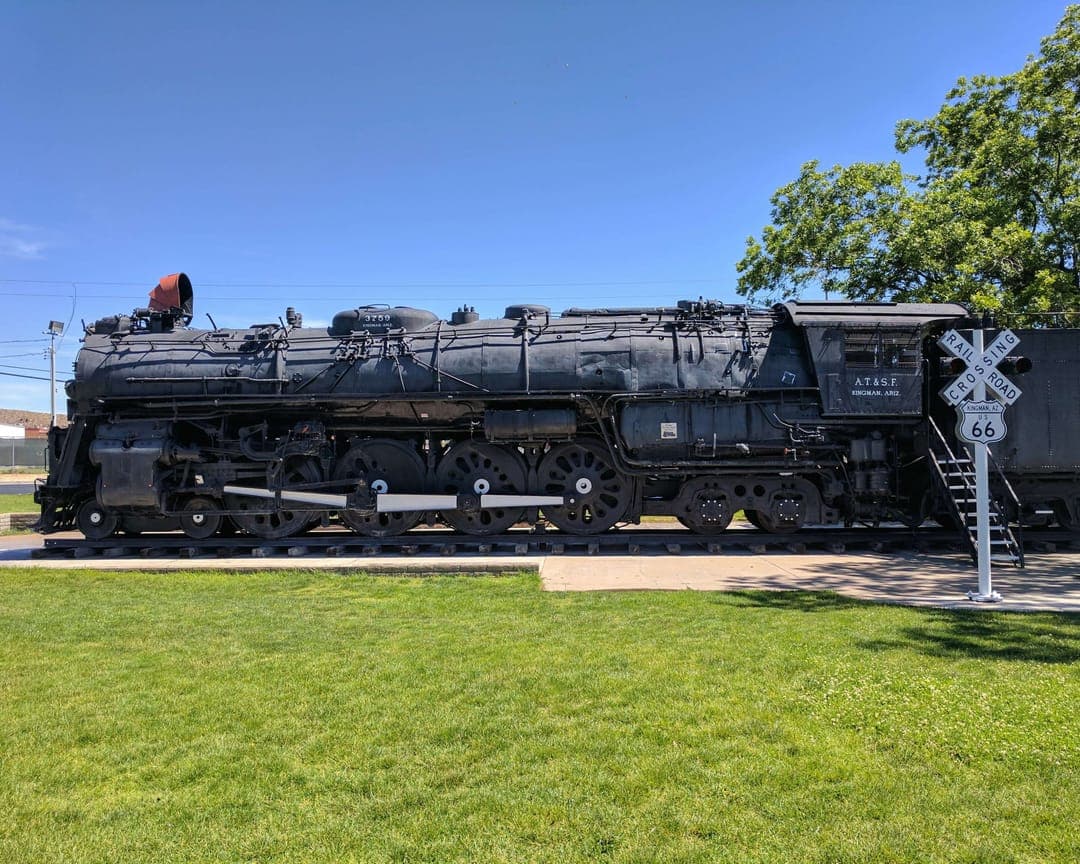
(477, 468)
(385, 466)
(583, 470)
(95, 522)
(703, 506)
(254, 516)
(198, 521)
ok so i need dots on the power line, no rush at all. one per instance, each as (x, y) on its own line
(448, 291)
(67, 327)
(17, 375)
(25, 368)
(69, 282)
(31, 294)
(381, 284)
(456, 296)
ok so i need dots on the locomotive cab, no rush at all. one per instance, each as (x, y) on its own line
(868, 356)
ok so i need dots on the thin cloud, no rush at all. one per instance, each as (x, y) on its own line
(18, 241)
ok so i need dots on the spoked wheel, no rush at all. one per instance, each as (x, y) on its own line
(703, 506)
(198, 521)
(95, 522)
(584, 471)
(277, 524)
(477, 468)
(385, 466)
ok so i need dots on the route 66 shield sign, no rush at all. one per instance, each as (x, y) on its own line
(981, 422)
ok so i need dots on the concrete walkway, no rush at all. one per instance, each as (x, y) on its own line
(1048, 583)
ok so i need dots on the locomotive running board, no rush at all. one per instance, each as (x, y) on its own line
(387, 502)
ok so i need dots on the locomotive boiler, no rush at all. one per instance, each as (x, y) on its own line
(803, 413)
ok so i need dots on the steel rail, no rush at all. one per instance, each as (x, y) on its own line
(627, 541)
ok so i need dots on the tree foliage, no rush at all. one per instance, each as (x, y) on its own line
(993, 222)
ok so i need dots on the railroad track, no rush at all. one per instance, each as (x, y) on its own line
(628, 541)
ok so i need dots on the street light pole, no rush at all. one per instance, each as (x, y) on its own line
(55, 329)
(52, 377)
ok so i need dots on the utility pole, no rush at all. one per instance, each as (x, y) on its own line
(55, 329)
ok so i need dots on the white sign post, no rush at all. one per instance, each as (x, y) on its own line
(981, 422)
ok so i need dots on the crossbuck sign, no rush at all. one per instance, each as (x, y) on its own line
(980, 368)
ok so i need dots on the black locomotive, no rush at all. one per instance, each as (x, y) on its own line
(804, 413)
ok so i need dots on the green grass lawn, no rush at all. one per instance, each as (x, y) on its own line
(18, 504)
(328, 717)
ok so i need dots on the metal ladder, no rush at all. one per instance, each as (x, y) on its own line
(956, 478)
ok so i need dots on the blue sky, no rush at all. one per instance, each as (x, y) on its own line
(327, 155)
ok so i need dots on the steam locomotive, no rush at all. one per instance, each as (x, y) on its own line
(803, 413)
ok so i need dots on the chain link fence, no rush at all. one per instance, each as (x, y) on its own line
(23, 452)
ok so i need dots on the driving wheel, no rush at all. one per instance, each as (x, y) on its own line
(254, 516)
(385, 466)
(477, 468)
(583, 471)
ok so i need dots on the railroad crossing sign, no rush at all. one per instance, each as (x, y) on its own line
(982, 368)
(981, 421)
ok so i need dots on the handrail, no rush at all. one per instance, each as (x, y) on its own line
(963, 526)
(1015, 500)
(993, 503)
(1004, 479)
(952, 457)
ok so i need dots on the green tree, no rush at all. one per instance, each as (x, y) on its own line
(994, 220)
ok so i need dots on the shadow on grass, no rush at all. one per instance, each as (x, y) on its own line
(1031, 638)
(1015, 637)
(793, 601)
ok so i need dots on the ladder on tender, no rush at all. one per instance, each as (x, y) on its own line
(956, 478)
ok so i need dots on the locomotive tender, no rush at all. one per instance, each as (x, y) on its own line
(803, 413)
